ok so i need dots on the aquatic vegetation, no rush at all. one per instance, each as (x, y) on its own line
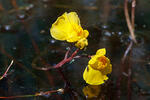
(98, 68)
(45, 68)
(5, 74)
(68, 28)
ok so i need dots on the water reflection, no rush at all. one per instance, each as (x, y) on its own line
(92, 91)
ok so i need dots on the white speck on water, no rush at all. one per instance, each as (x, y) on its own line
(113, 33)
(119, 33)
(52, 41)
(7, 27)
(144, 26)
(14, 48)
(21, 16)
(42, 31)
(29, 7)
(107, 33)
(104, 26)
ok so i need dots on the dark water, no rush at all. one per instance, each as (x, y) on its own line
(25, 38)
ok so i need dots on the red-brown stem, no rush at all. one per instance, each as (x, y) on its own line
(118, 93)
(87, 56)
(133, 13)
(36, 94)
(66, 55)
(20, 64)
(6, 70)
(121, 70)
(129, 86)
(129, 82)
(127, 51)
(1, 7)
(14, 3)
(37, 50)
(131, 30)
(66, 59)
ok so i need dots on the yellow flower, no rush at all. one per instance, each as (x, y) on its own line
(98, 68)
(82, 43)
(67, 27)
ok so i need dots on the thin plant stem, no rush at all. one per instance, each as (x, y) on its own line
(21, 96)
(129, 79)
(1, 7)
(14, 3)
(127, 51)
(130, 26)
(20, 64)
(34, 95)
(61, 63)
(5, 74)
(133, 13)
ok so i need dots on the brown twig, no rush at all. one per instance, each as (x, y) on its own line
(127, 51)
(133, 13)
(14, 3)
(5, 74)
(130, 26)
(129, 80)
(20, 64)
(1, 7)
(65, 60)
(36, 94)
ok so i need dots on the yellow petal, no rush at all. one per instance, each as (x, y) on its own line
(67, 27)
(107, 70)
(82, 43)
(93, 77)
(73, 18)
(73, 34)
(86, 33)
(74, 21)
(101, 52)
(60, 28)
(93, 60)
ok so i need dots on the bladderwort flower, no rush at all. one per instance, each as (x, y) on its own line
(67, 27)
(98, 68)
